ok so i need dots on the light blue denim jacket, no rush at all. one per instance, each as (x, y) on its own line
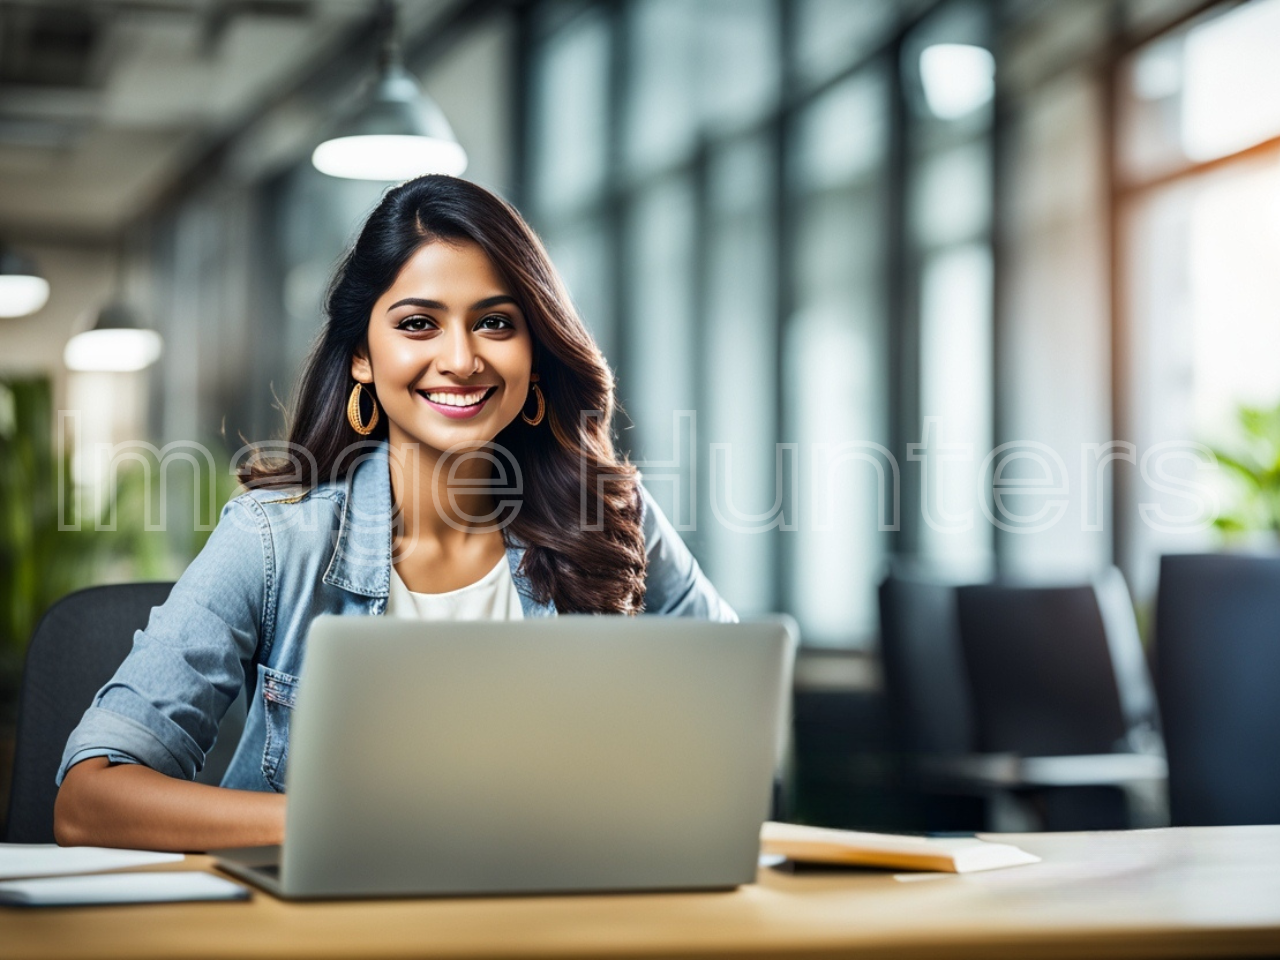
(239, 617)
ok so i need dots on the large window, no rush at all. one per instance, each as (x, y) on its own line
(1199, 186)
(743, 196)
(836, 353)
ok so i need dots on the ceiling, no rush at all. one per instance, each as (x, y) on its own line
(104, 104)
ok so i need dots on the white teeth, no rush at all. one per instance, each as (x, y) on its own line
(457, 399)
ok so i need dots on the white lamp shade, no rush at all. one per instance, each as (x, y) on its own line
(958, 78)
(389, 157)
(397, 133)
(112, 350)
(22, 294)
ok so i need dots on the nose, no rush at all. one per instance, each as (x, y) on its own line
(457, 353)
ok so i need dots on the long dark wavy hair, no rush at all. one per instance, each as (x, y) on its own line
(596, 567)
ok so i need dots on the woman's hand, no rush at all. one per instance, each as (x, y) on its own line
(108, 804)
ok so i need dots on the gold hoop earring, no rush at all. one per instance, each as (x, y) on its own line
(542, 404)
(353, 411)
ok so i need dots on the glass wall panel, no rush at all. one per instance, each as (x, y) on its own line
(569, 147)
(832, 34)
(696, 70)
(662, 106)
(841, 136)
(739, 61)
(660, 340)
(837, 371)
(582, 252)
(316, 218)
(740, 371)
(955, 403)
(951, 195)
(949, 75)
(1056, 329)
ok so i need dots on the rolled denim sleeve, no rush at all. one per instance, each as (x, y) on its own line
(675, 585)
(163, 706)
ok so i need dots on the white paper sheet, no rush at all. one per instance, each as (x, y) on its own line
(49, 859)
(162, 887)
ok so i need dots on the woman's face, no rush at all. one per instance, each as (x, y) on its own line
(450, 353)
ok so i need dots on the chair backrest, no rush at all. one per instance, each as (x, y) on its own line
(1055, 670)
(924, 674)
(75, 649)
(1217, 667)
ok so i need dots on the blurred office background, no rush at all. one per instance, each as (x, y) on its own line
(874, 232)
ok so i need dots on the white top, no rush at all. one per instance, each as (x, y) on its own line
(492, 597)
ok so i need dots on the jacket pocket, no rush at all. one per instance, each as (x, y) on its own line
(279, 693)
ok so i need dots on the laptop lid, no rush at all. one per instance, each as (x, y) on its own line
(567, 754)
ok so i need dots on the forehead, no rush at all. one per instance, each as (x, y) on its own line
(439, 266)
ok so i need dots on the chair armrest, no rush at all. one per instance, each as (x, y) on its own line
(1009, 771)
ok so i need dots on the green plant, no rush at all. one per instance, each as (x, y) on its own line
(1254, 461)
(38, 562)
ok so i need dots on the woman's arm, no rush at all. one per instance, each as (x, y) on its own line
(128, 805)
(127, 770)
(675, 585)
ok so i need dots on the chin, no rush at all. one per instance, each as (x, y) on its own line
(462, 434)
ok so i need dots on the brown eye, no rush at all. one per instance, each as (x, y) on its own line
(496, 321)
(414, 324)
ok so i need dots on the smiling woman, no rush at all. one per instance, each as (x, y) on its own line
(449, 456)
(448, 291)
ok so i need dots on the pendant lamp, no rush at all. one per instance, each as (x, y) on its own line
(397, 132)
(116, 342)
(22, 290)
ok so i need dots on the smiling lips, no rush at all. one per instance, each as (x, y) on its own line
(457, 403)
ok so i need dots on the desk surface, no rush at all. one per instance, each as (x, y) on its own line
(1211, 892)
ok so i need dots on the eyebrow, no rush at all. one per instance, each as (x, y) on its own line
(437, 305)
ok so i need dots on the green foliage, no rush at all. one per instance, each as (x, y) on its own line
(1255, 464)
(39, 563)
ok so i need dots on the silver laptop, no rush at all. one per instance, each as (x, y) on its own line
(557, 755)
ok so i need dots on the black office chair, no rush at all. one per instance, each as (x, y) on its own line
(1217, 667)
(75, 649)
(1061, 690)
(1055, 670)
(925, 685)
(927, 700)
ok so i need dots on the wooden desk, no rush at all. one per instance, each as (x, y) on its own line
(1211, 892)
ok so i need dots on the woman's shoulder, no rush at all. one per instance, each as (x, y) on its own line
(289, 512)
(293, 494)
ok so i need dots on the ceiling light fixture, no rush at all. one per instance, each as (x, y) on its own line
(958, 78)
(116, 342)
(22, 290)
(397, 132)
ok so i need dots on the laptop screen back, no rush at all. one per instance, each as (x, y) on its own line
(576, 753)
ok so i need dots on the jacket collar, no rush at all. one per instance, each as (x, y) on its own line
(361, 561)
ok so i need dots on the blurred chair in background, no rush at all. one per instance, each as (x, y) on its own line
(1217, 666)
(924, 673)
(1061, 689)
(1035, 697)
(927, 697)
(76, 648)
(1057, 670)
